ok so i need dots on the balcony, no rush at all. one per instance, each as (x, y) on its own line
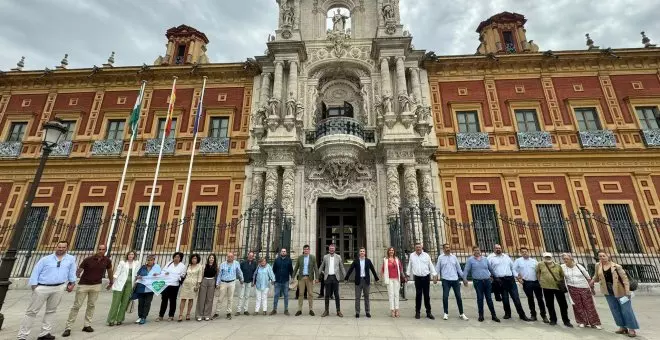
(534, 140)
(63, 149)
(597, 139)
(340, 138)
(472, 141)
(10, 149)
(153, 146)
(107, 147)
(214, 145)
(651, 137)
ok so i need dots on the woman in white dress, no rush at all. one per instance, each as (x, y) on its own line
(193, 279)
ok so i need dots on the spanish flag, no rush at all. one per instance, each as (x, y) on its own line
(170, 110)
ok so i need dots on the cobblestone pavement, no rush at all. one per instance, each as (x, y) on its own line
(380, 326)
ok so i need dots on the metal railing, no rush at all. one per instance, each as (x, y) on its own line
(339, 126)
(472, 141)
(634, 245)
(10, 149)
(200, 236)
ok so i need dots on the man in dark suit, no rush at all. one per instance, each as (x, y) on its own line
(362, 266)
(306, 272)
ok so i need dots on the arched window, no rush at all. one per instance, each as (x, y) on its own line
(337, 111)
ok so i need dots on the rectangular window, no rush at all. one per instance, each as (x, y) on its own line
(553, 228)
(468, 121)
(115, 130)
(161, 127)
(219, 127)
(509, 44)
(623, 229)
(587, 119)
(204, 227)
(16, 132)
(649, 117)
(88, 228)
(141, 225)
(527, 120)
(486, 229)
(70, 129)
(33, 226)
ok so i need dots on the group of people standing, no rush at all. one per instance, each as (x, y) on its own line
(495, 275)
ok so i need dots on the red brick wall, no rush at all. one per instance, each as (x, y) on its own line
(506, 91)
(32, 112)
(623, 88)
(199, 199)
(592, 90)
(181, 107)
(5, 191)
(140, 198)
(53, 201)
(110, 104)
(476, 94)
(84, 106)
(234, 100)
(108, 198)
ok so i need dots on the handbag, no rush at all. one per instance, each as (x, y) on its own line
(633, 284)
(560, 284)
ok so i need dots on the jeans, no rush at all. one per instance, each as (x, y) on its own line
(456, 286)
(550, 295)
(531, 289)
(509, 288)
(284, 288)
(623, 314)
(144, 304)
(484, 288)
(422, 286)
(169, 295)
(332, 288)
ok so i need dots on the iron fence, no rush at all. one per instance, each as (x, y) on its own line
(201, 235)
(634, 245)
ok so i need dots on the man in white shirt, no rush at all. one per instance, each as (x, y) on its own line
(504, 281)
(450, 271)
(421, 269)
(526, 268)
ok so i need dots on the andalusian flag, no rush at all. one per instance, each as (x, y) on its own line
(170, 110)
(135, 114)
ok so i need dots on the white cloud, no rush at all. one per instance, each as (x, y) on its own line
(44, 30)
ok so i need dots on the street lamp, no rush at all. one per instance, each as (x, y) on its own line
(53, 133)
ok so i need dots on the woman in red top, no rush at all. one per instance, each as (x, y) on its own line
(393, 275)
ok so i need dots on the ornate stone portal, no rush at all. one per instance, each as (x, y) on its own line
(329, 122)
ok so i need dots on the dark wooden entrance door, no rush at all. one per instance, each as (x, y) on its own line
(341, 222)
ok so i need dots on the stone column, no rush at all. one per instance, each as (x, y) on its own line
(412, 197)
(429, 217)
(191, 51)
(402, 88)
(277, 84)
(416, 87)
(270, 210)
(385, 77)
(393, 190)
(265, 89)
(288, 184)
(293, 79)
(255, 208)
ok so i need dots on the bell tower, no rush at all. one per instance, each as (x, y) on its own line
(185, 45)
(504, 33)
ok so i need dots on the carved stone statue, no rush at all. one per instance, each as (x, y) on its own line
(260, 116)
(291, 106)
(339, 21)
(287, 13)
(533, 47)
(274, 105)
(405, 102)
(300, 111)
(388, 12)
(387, 103)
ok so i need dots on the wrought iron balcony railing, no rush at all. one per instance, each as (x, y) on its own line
(651, 137)
(10, 149)
(179, 60)
(472, 141)
(153, 146)
(107, 147)
(63, 149)
(596, 139)
(534, 140)
(211, 145)
(339, 126)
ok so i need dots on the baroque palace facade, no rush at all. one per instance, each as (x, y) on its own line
(343, 132)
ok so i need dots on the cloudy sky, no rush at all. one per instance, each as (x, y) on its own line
(88, 30)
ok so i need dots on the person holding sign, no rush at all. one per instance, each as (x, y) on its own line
(144, 295)
(230, 270)
(173, 269)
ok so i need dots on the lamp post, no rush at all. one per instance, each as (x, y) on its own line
(54, 132)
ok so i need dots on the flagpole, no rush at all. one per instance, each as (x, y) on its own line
(182, 220)
(153, 185)
(120, 188)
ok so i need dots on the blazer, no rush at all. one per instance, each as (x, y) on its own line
(339, 266)
(620, 281)
(312, 270)
(368, 267)
(121, 274)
